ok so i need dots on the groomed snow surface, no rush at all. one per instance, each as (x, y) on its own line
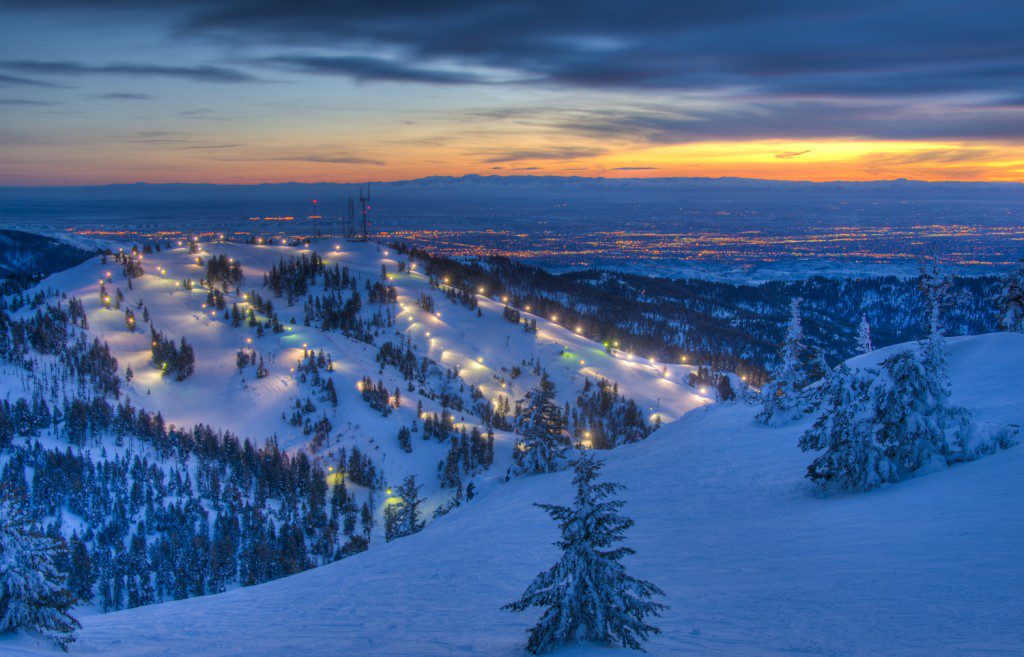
(754, 560)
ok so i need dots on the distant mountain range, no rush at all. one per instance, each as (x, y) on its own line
(471, 185)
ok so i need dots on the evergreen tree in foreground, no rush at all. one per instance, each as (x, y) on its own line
(32, 593)
(587, 595)
(540, 426)
(780, 397)
(1010, 301)
(864, 345)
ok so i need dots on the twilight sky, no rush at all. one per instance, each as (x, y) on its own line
(317, 90)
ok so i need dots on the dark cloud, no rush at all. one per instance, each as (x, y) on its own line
(840, 47)
(14, 80)
(204, 73)
(807, 46)
(544, 154)
(892, 69)
(24, 102)
(123, 96)
(371, 69)
(800, 119)
(635, 169)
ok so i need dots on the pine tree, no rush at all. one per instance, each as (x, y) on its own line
(780, 397)
(853, 456)
(587, 595)
(1010, 300)
(32, 593)
(82, 576)
(912, 407)
(881, 424)
(405, 439)
(864, 345)
(928, 387)
(403, 517)
(935, 286)
(541, 445)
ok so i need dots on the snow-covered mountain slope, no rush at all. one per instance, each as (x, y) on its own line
(484, 349)
(753, 559)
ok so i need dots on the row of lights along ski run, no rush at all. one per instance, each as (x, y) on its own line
(433, 341)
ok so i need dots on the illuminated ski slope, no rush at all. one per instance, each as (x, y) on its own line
(484, 350)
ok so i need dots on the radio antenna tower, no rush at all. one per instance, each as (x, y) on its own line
(364, 199)
(315, 218)
(350, 220)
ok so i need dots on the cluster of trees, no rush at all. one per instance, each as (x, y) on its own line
(131, 264)
(404, 360)
(464, 293)
(246, 357)
(333, 310)
(358, 468)
(293, 277)
(604, 417)
(58, 331)
(177, 360)
(183, 512)
(224, 272)
(378, 397)
(511, 314)
(312, 370)
(879, 424)
(469, 452)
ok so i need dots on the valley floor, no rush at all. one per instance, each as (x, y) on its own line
(753, 559)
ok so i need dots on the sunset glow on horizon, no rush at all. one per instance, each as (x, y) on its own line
(94, 92)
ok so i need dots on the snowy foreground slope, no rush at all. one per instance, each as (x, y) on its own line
(753, 559)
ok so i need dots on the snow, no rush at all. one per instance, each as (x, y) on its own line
(754, 560)
(217, 395)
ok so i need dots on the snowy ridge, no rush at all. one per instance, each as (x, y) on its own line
(754, 561)
(485, 349)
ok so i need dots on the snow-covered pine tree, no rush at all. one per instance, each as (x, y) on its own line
(817, 367)
(1010, 300)
(930, 386)
(402, 517)
(542, 443)
(780, 397)
(935, 285)
(912, 410)
(32, 593)
(864, 345)
(587, 595)
(853, 456)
